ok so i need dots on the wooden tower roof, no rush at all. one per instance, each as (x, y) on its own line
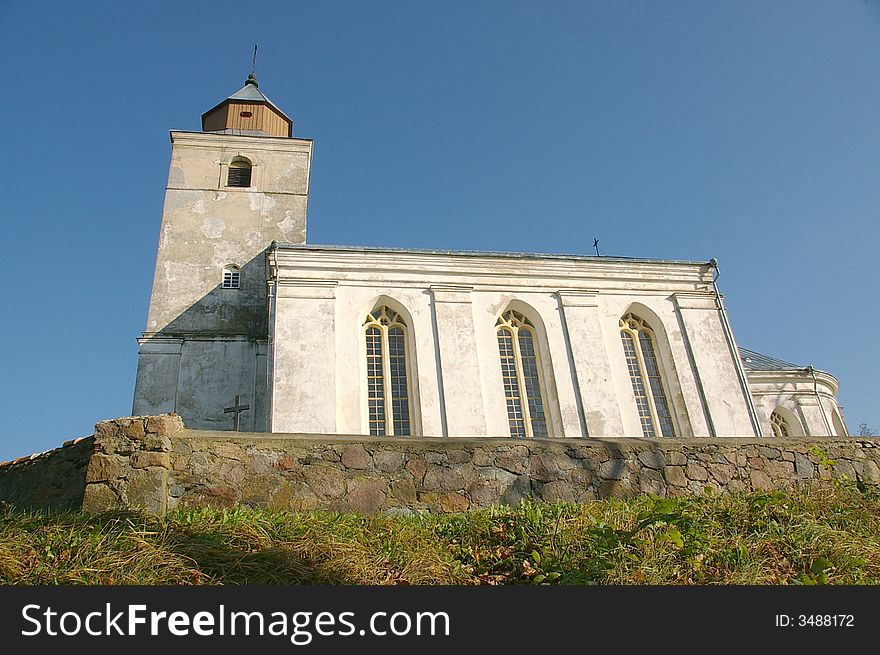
(248, 111)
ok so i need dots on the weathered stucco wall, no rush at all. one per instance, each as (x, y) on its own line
(207, 225)
(154, 464)
(451, 302)
(797, 396)
(205, 344)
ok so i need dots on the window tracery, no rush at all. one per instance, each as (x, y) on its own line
(646, 376)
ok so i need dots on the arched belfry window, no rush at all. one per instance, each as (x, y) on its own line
(239, 173)
(231, 277)
(388, 386)
(520, 370)
(779, 425)
(639, 347)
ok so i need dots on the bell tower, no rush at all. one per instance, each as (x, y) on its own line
(233, 188)
(247, 111)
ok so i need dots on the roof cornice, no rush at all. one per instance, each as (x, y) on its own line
(489, 269)
(259, 141)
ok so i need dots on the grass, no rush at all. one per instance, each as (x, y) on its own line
(828, 534)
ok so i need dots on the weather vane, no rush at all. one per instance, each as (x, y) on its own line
(596, 246)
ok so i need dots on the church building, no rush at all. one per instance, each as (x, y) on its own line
(250, 327)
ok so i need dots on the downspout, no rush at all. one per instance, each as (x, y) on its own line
(271, 296)
(737, 362)
(435, 333)
(812, 372)
(578, 399)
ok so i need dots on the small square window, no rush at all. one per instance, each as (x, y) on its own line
(231, 277)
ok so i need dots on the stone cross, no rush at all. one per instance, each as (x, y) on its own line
(237, 409)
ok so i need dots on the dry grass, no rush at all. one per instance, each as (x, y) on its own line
(828, 534)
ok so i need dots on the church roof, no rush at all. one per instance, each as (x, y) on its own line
(757, 362)
(480, 253)
(250, 92)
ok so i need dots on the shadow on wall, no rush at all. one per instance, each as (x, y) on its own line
(220, 338)
(240, 311)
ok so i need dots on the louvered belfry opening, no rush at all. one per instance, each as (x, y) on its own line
(239, 173)
(231, 277)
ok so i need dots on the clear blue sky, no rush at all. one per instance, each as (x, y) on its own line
(745, 131)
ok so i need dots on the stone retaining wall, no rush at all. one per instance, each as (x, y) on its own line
(153, 463)
(130, 464)
(53, 480)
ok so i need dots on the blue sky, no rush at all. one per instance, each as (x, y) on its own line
(745, 131)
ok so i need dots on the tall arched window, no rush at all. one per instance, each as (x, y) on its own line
(779, 425)
(520, 370)
(239, 173)
(646, 376)
(388, 390)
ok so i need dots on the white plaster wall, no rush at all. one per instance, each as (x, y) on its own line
(352, 304)
(486, 309)
(766, 403)
(795, 392)
(658, 311)
(459, 361)
(722, 403)
(459, 391)
(207, 225)
(199, 378)
(303, 359)
(591, 364)
(212, 373)
(835, 416)
(541, 307)
(204, 344)
(261, 389)
(814, 423)
(155, 390)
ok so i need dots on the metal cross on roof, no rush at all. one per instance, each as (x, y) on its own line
(237, 408)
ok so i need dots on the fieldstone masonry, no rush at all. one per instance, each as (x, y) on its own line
(53, 480)
(130, 464)
(154, 464)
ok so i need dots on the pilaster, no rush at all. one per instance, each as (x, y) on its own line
(459, 366)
